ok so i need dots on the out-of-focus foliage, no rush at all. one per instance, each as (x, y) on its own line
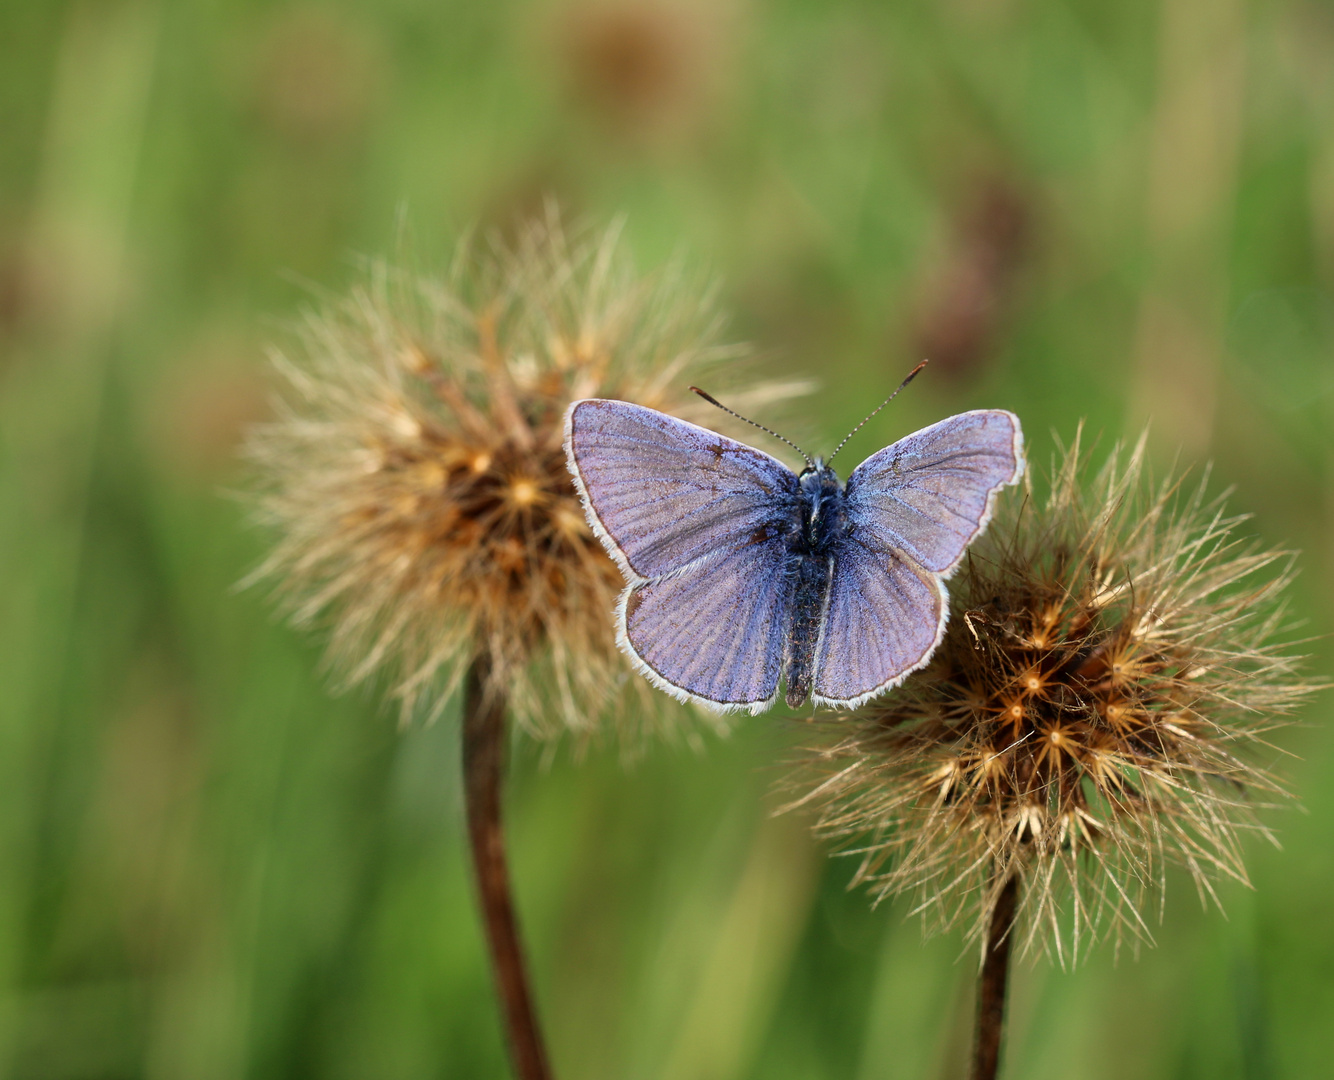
(209, 867)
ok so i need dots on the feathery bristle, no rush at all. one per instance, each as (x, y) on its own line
(418, 488)
(1109, 669)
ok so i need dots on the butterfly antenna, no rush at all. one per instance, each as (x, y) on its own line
(911, 375)
(714, 401)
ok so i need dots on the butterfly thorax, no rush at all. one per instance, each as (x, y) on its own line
(824, 522)
(823, 513)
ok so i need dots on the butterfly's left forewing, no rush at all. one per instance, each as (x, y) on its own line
(698, 523)
(930, 494)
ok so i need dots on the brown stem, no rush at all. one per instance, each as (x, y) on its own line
(991, 985)
(483, 770)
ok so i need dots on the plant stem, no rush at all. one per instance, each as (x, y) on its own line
(483, 772)
(992, 985)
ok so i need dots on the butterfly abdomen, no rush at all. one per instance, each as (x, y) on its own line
(811, 566)
(813, 575)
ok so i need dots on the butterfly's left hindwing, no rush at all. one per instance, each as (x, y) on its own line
(699, 524)
(884, 619)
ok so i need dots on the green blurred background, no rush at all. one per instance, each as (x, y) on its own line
(211, 868)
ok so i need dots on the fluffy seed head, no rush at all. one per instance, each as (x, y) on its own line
(1094, 712)
(416, 482)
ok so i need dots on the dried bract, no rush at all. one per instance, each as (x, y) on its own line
(416, 482)
(1094, 713)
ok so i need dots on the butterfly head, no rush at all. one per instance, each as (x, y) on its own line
(818, 479)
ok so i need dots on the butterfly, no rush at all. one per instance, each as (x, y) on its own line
(741, 574)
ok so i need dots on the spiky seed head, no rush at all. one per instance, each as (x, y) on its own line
(415, 480)
(1095, 712)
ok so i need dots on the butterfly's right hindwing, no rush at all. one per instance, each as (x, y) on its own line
(716, 633)
(699, 524)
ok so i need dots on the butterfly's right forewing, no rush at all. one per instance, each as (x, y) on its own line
(699, 524)
(664, 492)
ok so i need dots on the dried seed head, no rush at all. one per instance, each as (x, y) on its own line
(416, 481)
(1108, 670)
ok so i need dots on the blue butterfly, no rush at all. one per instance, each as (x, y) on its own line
(741, 573)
